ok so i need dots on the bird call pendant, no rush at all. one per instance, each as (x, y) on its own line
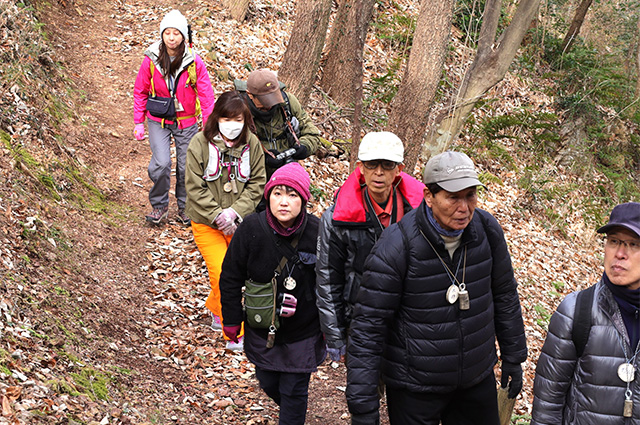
(289, 283)
(459, 294)
(628, 404)
(271, 338)
(463, 297)
(227, 187)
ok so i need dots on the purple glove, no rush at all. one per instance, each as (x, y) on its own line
(232, 332)
(138, 131)
(337, 354)
(226, 221)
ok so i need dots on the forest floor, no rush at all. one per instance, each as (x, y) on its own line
(125, 300)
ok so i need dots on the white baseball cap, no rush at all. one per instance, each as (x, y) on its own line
(381, 145)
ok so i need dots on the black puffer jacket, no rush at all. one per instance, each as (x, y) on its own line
(347, 233)
(403, 326)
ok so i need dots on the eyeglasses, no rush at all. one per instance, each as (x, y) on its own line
(632, 245)
(386, 164)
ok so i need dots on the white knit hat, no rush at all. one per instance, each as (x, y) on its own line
(175, 19)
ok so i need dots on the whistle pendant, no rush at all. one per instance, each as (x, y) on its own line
(234, 186)
(271, 339)
(628, 408)
(463, 296)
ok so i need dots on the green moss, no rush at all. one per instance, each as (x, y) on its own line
(92, 383)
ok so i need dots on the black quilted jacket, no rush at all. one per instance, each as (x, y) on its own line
(405, 329)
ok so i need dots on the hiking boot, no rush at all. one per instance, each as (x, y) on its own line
(236, 346)
(157, 215)
(182, 218)
(216, 324)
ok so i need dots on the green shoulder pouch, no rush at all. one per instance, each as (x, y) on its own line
(260, 304)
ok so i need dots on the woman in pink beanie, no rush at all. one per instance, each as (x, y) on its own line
(275, 249)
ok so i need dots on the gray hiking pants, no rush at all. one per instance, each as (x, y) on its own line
(160, 164)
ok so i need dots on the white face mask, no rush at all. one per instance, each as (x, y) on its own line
(230, 129)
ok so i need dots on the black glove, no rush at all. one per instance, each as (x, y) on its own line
(371, 418)
(513, 371)
(301, 152)
(272, 162)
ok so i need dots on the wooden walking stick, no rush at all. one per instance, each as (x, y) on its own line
(505, 405)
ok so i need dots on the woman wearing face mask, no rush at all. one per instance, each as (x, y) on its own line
(278, 246)
(171, 74)
(225, 180)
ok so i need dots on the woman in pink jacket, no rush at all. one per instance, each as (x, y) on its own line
(172, 90)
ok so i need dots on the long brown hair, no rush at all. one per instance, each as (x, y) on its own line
(229, 105)
(168, 66)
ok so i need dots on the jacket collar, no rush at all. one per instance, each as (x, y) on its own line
(470, 233)
(349, 204)
(154, 52)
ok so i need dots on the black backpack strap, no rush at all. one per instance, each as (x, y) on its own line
(582, 319)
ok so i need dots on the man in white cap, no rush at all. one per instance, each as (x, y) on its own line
(437, 291)
(283, 127)
(377, 194)
(587, 371)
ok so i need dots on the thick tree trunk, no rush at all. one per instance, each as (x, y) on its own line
(410, 107)
(576, 24)
(302, 57)
(346, 42)
(237, 8)
(488, 68)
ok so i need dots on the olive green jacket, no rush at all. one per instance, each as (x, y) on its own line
(207, 199)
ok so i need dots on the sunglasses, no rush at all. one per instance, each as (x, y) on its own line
(385, 164)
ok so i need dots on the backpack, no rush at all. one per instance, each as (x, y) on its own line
(582, 319)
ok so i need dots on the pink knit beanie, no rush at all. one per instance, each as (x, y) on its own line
(292, 175)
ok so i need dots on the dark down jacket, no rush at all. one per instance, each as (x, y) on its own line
(405, 329)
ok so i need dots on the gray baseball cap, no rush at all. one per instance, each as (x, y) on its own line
(452, 171)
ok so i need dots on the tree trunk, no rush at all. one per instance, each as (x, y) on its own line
(237, 8)
(302, 57)
(576, 24)
(362, 20)
(410, 107)
(489, 66)
(346, 42)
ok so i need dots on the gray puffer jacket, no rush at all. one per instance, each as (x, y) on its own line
(585, 391)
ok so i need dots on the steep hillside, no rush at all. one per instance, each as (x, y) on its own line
(102, 317)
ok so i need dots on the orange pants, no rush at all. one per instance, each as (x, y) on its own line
(212, 244)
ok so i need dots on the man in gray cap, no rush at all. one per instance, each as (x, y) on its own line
(437, 291)
(587, 370)
(283, 127)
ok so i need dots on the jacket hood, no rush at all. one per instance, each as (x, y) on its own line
(349, 202)
(153, 52)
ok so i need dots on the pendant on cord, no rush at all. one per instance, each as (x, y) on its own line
(452, 294)
(464, 297)
(627, 412)
(627, 372)
(289, 283)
